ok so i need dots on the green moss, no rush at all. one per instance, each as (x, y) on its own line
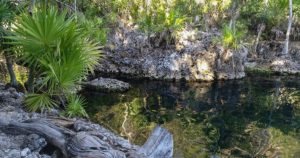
(260, 72)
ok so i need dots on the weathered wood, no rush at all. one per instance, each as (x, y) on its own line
(89, 146)
(83, 141)
(53, 134)
(159, 144)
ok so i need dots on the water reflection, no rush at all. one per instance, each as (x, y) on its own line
(253, 117)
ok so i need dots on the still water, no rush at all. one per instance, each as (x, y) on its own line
(252, 117)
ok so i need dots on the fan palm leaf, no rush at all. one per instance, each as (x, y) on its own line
(6, 17)
(52, 43)
(41, 102)
(39, 33)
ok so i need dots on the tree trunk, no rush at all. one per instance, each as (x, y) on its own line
(30, 81)
(75, 9)
(10, 69)
(286, 45)
(85, 140)
(206, 21)
(261, 28)
(233, 15)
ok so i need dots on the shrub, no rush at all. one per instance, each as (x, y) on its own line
(232, 38)
(75, 107)
(54, 46)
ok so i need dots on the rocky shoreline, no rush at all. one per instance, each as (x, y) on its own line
(269, 58)
(193, 56)
(25, 135)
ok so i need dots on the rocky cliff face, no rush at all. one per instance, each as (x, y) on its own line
(191, 57)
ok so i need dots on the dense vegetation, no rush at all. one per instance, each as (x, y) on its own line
(59, 41)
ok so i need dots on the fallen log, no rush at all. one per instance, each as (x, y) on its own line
(159, 144)
(85, 140)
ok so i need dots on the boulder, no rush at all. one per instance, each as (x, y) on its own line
(107, 85)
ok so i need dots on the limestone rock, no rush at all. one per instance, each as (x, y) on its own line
(107, 85)
(269, 57)
(192, 57)
(34, 143)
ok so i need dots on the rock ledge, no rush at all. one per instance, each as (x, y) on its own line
(107, 85)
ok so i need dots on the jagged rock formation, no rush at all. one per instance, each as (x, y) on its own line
(192, 57)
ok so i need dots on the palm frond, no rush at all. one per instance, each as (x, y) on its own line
(35, 102)
(52, 43)
(76, 107)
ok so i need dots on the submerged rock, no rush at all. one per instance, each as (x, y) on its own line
(192, 57)
(107, 85)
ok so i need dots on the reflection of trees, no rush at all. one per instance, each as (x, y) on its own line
(242, 118)
(247, 129)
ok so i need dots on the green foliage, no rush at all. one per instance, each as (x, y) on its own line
(94, 28)
(164, 16)
(232, 37)
(40, 102)
(53, 44)
(37, 36)
(272, 13)
(6, 12)
(276, 11)
(229, 38)
(6, 17)
(75, 107)
(158, 16)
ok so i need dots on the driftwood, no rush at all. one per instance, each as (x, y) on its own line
(79, 139)
(159, 144)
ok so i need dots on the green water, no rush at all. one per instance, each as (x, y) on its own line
(252, 117)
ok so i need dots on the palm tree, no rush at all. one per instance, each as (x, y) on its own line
(53, 45)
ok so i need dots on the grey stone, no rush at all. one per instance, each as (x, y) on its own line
(269, 57)
(14, 153)
(25, 152)
(34, 142)
(107, 85)
(17, 146)
(193, 57)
